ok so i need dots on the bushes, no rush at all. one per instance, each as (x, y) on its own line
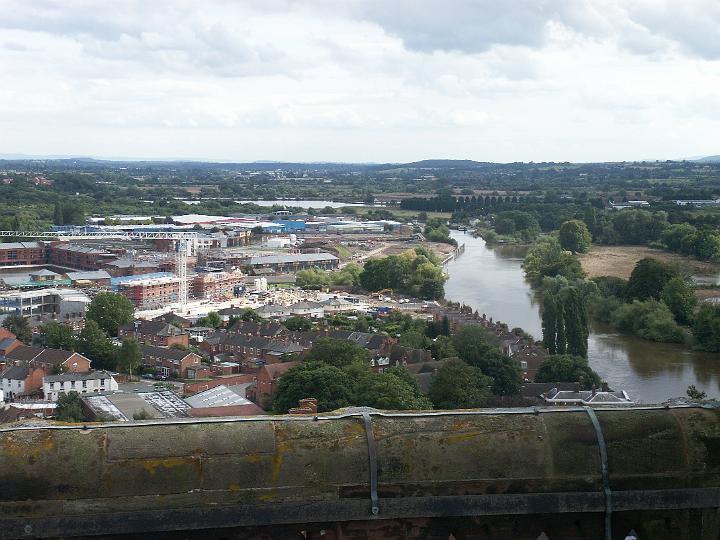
(546, 258)
(567, 368)
(337, 373)
(574, 236)
(457, 385)
(648, 279)
(437, 231)
(706, 329)
(412, 272)
(650, 319)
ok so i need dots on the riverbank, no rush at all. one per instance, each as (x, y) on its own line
(619, 261)
(491, 281)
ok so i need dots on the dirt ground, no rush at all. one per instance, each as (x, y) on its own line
(396, 248)
(619, 261)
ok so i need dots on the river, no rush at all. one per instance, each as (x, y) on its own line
(492, 282)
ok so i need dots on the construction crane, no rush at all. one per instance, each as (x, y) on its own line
(181, 240)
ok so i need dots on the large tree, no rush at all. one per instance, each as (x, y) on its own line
(337, 352)
(546, 258)
(94, 343)
(58, 336)
(574, 236)
(110, 311)
(298, 323)
(706, 328)
(68, 407)
(395, 390)
(504, 372)
(456, 385)
(678, 295)
(212, 320)
(129, 356)
(575, 322)
(19, 326)
(473, 343)
(551, 318)
(567, 368)
(331, 386)
(648, 279)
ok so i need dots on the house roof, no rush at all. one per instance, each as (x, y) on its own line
(170, 353)
(44, 273)
(267, 329)
(269, 310)
(337, 302)
(24, 353)
(169, 317)
(281, 347)
(90, 276)
(21, 245)
(219, 396)
(16, 373)
(5, 343)
(291, 258)
(55, 356)
(154, 327)
(306, 304)
(278, 370)
(5, 333)
(70, 376)
(81, 249)
(250, 409)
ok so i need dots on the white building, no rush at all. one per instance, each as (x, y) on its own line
(58, 302)
(273, 311)
(92, 382)
(307, 308)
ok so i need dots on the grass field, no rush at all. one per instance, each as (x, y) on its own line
(402, 213)
(619, 261)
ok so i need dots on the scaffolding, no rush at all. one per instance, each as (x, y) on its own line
(181, 239)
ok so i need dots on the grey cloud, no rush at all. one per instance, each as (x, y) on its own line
(160, 36)
(476, 26)
(460, 25)
(694, 25)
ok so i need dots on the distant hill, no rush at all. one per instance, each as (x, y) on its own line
(709, 159)
(445, 164)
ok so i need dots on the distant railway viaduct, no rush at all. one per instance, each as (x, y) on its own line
(569, 473)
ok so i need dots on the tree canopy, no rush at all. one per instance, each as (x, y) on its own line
(547, 258)
(411, 272)
(110, 311)
(648, 279)
(574, 236)
(457, 385)
(68, 407)
(57, 336)
(706, 328)
(337, 352)
(94, 343)
(678, 295)
(567, 368)
(129, 356)
(18, 325)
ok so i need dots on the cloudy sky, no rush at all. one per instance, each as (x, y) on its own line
(361, 80)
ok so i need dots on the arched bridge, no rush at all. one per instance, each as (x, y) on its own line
(557, 473)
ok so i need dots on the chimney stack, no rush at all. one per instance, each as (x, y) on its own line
(605, 387)
(305, 406)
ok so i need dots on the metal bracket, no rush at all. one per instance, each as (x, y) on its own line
(372, 462)
(603, 470)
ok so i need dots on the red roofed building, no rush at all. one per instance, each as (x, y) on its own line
(267, 380)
